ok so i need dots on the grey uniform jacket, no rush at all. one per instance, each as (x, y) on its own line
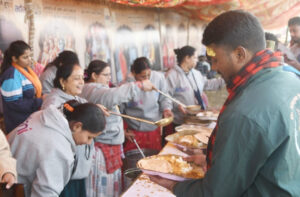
(149, 105)
(181, 86)
(47, 78)
(110, 98)
(44, 148)
(57, 97)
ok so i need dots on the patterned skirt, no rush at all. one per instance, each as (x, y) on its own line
(149, 139)
(99, 183)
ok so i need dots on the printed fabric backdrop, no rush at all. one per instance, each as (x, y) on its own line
(115, 35)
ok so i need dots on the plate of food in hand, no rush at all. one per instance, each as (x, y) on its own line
(170, 166)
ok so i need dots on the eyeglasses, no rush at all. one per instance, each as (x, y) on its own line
(106, 74)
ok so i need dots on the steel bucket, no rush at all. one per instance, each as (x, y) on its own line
(130, 175)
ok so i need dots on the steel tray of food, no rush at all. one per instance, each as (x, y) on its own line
(192, 127)
(190, 139)
(170, 167)
(208, 115)
(193, 119)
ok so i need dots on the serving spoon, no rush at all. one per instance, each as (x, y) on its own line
(191, 109)
(162, 122)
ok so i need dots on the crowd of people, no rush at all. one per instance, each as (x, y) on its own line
(66, 138)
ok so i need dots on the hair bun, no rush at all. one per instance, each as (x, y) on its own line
(176, 51)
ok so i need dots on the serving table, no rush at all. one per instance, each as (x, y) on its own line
(143, 187)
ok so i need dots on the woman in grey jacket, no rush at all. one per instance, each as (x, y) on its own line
(149, 105)
(49, 73)
(107, 159)
(186, 84)
(68, 85)
(44, 145)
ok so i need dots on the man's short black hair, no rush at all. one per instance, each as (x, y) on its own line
(235, 28)
(294, 21)
(270, 36)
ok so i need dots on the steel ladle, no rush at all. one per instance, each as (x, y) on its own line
(162, 122)
(191, 109)
(138, 147)
(174, 100)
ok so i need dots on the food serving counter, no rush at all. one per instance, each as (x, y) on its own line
(143, 187)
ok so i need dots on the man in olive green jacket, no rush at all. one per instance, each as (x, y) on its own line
(255, 148)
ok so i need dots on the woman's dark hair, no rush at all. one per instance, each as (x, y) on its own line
(183, 52)
(95, 66)
(63, 72)
(89, 114)
(235, 28)
(140, 64)
(16, 48)
(65, 57)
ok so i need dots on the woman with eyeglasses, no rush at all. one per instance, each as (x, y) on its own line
(68, 84)
(107, 159)
(44, 145)
(149, 105)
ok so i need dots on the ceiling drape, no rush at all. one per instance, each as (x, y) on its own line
(272, 13)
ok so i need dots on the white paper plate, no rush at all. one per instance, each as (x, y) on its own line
(165, 175)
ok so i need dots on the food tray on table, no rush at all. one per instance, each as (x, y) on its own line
(192, 127)
(193, 119)
(170, 167)
(208, 115)
(190, 139)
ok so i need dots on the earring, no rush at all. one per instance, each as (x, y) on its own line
(63, 88)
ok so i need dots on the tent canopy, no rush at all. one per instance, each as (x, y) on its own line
(273, 14)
